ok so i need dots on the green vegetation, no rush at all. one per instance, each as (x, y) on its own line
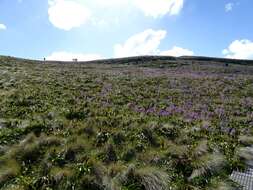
(123, 127)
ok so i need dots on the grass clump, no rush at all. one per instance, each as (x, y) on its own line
(123, 126)
(145, 178)
(246, 140)
(206, 166)
(8, 170)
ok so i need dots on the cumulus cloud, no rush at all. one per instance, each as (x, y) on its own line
(143, 43)
(67, 14)
(112, 3)
(159, 7)
(3, 27)
(69, 56)
(153, 8)
(229, 7)
(147, 43)
(177, 51)
(239, 49)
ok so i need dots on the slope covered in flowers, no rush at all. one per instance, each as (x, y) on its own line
(138, 127)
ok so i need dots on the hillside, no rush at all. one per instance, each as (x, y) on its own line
(141, 123)
(140, 60)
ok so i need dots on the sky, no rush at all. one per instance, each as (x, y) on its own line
(95, 29)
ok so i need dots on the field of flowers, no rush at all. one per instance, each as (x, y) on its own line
(129, 127)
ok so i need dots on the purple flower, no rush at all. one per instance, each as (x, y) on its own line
(172, 109)
(130, 105)
(225, 130)
(191, 116)
(220, 112)
(151, 110)
(139, 109)
(247, 102)
(232, 131)
(164, 113)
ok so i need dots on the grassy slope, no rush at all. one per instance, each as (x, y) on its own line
(96, 126)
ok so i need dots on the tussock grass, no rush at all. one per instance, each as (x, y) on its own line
(29, 149)
(13, 187)
(207, 165)
(200, 149)
(72, 150)
(152, 178)
(128, 127)
(218, 184)
(50, 140)
(148, 178)
(246, 140)
(60, 174)
(177, 151)
(8, 170)
(245, 154)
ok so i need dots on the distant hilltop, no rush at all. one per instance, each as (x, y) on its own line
(137, 60)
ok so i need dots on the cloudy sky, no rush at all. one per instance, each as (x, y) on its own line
(93, 29)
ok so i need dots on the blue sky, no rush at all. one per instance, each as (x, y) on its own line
(91, 29)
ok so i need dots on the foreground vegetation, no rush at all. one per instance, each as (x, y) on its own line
(129, 127)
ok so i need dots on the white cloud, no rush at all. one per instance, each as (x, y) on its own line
(147, 43)
(112, 3)
(177, 52)
(229, 7)
(3, 27)
(143, 43)
(157, 8)
(68, 56)
(239, 49)
(67, 14)
(153, 8)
